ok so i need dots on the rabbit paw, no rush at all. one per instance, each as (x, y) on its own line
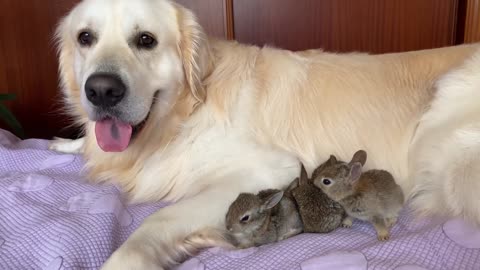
(383, 236)
(383, 232)
(347, 222)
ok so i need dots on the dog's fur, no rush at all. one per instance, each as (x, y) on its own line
(232, 118)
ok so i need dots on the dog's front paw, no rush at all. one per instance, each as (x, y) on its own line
(66, 145)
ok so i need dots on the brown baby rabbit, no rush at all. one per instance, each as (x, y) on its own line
(371, 196)
(267, 217)
(318, 212)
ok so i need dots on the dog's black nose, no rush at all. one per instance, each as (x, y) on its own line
(104, 89)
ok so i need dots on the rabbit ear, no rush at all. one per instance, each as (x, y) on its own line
(332, 160)
(303, 176)
(272, 200)
(355, 171)
(360, 156)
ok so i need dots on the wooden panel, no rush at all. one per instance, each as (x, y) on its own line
(346, 25)
(229, 19)
(472, 21)
(29, 63)
(211, 15)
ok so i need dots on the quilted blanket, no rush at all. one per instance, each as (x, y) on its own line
(51, 218)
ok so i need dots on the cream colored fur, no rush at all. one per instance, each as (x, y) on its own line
(445, 154)
(239, 117)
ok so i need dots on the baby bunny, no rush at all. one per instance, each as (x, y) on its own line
(319, 213)
(371, 196)
(267, 217)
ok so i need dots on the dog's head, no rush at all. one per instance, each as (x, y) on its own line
(123, 60)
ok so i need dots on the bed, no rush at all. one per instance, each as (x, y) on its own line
(51, 218)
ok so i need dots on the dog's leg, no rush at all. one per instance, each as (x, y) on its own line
(67, 145)
(161, 240)
(179, 230)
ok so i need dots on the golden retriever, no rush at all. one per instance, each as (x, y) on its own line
(172, 115)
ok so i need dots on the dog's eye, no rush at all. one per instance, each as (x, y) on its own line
(245, 218)
(146, 41)
(326, 181)
(85, 38)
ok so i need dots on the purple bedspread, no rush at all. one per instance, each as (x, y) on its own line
(51, 218)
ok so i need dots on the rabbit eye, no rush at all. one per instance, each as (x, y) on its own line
(245, 218)
(326, 181)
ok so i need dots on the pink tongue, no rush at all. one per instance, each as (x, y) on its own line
(112, 135)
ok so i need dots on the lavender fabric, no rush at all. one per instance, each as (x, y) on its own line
(51, 218)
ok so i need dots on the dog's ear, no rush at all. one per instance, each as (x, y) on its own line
(194, 51)
(332, 160)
